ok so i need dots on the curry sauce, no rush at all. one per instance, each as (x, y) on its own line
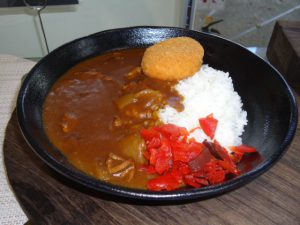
(95, 111)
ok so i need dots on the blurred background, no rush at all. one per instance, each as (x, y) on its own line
(248, 22)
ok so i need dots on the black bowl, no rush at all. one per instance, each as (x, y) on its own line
(268, 100)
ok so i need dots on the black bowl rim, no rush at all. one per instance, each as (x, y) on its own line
(137, 194)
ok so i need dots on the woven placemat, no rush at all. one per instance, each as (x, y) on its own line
(12, 69)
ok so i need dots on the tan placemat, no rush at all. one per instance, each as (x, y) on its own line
(12, 69)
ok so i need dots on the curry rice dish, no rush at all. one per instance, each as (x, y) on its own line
(119, 125)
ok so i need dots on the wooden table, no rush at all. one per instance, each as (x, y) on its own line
(47, 198)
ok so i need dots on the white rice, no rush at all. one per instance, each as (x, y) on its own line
(209, 91)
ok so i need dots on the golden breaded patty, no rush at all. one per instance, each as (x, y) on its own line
(173, 59)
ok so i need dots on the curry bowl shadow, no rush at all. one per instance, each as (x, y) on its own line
(267, 98)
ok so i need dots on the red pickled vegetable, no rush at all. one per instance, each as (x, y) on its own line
(154, 143)
(149, 134)
(186, 152)
(236, 157)
(173, 132)
(164, 182)
(148, 168)
(227, 162)
(196, 180)
(181, 167)
(214, 172)
(179, 161)
(198, 163)
(209, 125)
(212, 149)
(161, 158)
(243, 149)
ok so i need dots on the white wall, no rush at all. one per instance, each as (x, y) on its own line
(20, 32)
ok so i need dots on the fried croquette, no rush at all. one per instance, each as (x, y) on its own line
(173, 59)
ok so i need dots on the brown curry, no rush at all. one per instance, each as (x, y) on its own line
(95, 111)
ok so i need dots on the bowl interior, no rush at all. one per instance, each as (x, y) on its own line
(270, 105)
